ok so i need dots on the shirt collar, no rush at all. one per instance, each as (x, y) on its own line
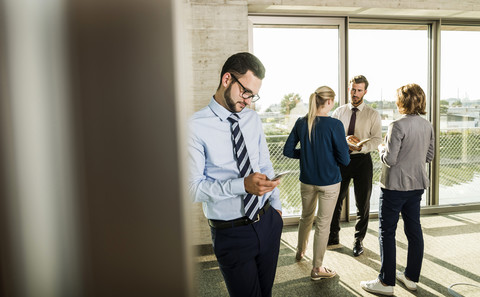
(360, 107)
(221, 111)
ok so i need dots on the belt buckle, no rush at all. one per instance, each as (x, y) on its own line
(256, 219)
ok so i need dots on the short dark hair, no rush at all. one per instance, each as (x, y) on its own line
(358, 80)
(240, 63)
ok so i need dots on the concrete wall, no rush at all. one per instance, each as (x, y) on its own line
(219, 28)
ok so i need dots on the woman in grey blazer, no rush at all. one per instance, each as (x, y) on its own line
(409, 145)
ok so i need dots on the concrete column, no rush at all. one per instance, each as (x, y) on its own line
(92, 133)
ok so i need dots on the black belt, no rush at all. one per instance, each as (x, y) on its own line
(359, 155)
(217, 224)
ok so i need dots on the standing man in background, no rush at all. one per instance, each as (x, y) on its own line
(230, 173)
(361, 122)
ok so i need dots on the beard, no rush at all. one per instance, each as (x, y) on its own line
(229, 101)
(357, 100)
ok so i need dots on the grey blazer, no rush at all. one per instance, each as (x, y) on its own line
(409, 145)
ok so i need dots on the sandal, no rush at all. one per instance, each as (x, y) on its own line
(319, 275)
(299, 255)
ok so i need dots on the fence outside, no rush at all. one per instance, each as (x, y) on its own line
(459, 170)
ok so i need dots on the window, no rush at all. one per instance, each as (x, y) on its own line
(299, 56)
(389, 56)
(459, 149)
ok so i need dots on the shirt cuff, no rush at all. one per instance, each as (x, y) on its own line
(238, 186)
(275, 203)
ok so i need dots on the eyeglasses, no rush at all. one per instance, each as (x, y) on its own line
(246, 94)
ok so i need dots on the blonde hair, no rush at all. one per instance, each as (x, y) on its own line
(411, 99)
(317, 100)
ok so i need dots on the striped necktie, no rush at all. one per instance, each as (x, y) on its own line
(250, 201)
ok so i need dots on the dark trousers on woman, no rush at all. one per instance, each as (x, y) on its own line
(392, 203)
(361, 170)
(247, 255)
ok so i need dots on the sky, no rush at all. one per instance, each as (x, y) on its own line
(301, 59)
(296, 60)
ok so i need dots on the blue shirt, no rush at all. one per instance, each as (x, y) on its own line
(319, 158)
(214, 175)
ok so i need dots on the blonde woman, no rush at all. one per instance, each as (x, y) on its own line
(409, 145)
(322, 147)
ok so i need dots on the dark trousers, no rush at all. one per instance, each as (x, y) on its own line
(247, 255)
(360, 169)
(391, 204)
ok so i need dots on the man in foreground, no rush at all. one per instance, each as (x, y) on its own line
(229, 173)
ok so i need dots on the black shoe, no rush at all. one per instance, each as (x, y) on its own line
(357, 248)
(333, 239)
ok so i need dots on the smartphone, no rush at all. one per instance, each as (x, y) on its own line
(280, 175)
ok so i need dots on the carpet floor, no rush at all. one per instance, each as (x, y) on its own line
(452, 257)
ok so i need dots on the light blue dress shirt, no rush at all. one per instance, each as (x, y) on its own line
(214, 175)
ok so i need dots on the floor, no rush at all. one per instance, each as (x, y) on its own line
(452, 255)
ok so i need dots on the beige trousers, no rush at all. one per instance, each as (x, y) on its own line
(327, 199)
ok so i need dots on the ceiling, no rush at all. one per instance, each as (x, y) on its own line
(365, 12)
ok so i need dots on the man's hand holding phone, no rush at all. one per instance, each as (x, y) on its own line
(278, 176)
(259, 184)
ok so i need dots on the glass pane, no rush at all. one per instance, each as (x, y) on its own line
(459, 116)
(297, 61)
(389, 56)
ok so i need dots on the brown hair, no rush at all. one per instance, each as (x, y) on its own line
(358, 80)
(317, 99)
(411, 99)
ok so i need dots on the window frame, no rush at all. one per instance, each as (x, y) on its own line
(434, 68)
